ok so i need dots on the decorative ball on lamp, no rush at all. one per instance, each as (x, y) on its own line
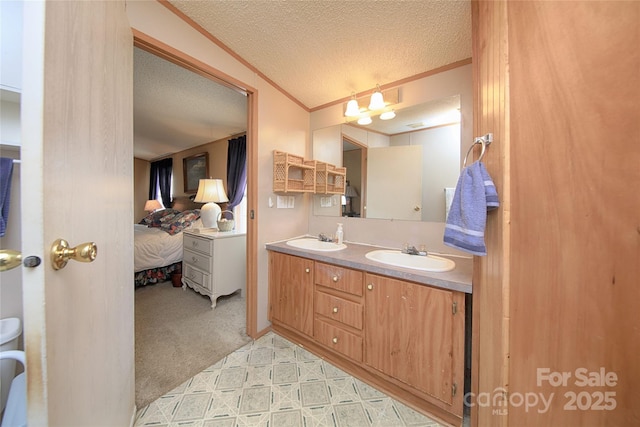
(210, 192)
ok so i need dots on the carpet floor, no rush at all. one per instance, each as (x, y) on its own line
(177, 335)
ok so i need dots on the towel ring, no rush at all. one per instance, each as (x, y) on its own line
(484, 141)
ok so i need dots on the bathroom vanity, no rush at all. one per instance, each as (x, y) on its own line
(399, 329)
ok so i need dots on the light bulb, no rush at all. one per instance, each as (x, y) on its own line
(353, 109)
(366, 120)
(377, 101)
(387, 115)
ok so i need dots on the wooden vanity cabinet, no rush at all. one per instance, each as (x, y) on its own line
(405, 338)
(415, 334)
(338, 309)
(291, 291)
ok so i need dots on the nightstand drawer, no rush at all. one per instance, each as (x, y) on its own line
(339, 309)
(339, 340)
(197, 260)
(196, 276)
(198, 244)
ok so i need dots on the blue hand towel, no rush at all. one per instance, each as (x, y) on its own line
(475, 194)
(6, 169)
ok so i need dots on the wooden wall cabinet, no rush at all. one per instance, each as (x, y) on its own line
(405, 338)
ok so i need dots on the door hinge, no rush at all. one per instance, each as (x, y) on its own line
(454, 308)
(454, 389)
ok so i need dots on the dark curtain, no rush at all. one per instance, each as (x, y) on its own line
(236, 170)
(161, 172)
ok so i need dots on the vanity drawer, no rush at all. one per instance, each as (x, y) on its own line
(340, 278)
(338, 339)
(198, 244)
(196, 276)
(339, 309)
(197, 260)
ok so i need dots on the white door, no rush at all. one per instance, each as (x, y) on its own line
(77, 184)
(394, 182)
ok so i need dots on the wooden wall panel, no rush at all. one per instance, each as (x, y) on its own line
(575, 252)
(490, 346)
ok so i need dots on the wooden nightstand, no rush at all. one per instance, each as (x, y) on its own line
(214, 263)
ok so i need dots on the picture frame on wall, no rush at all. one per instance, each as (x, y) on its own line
(195, 168)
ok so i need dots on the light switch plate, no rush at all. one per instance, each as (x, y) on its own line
(291, 202)
(281, 202)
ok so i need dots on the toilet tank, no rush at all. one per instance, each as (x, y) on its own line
(10, 330)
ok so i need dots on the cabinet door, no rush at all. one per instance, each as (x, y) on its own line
(409, 334)
(291, 284)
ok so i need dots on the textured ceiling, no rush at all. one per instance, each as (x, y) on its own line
(320, 51)
(317, 51)
(175, 109)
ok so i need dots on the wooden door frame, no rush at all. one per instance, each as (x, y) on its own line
(181, 59)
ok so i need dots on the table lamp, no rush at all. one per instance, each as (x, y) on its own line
(210, 192)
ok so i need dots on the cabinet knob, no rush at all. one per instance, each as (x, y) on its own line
(335, 278)
(335, 340)
(370, 286)
(335, 309)
(195, 244)
(194, 260)
(307, 270)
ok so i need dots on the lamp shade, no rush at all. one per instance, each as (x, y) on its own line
(366, 120)
(377, 100)
(210, 192)
(152, 205)
(353, 109)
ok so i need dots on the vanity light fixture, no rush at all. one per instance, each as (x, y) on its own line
(379, 104)
(387, 115)
(366, 120)
(353, 109)
(377, 100)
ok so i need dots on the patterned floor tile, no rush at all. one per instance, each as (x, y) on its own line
(274, 383)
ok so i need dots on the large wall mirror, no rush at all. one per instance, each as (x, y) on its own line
(401, 169)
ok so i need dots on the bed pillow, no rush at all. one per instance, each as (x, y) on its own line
(156, 218)
(180, 221)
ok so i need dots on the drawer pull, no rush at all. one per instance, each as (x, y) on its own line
(335, 278)
(335, 309)
(335, 340)
(194, 244)
(307, 270)
(194, 260)
(370, 286)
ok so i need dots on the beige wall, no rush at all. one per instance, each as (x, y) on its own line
(282, 125)
(140, 187)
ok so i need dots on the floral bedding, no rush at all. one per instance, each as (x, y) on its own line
(158, 244)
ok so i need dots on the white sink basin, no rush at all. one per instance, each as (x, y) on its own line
(417, 262)
(316, 245)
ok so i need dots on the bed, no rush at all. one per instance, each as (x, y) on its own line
(158, 244)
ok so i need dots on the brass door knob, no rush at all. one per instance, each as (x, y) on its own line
(9, 259)
(61, 253)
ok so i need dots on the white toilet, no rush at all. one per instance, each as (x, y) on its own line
(10, 330)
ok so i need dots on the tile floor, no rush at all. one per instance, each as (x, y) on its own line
(272, 382)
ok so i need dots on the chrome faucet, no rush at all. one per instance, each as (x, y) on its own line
(412, 250)
(324, 238)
